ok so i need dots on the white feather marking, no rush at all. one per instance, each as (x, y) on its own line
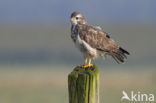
(78, 43)
(79, 15)
(81, 44)
(89, 48)
(98, 27)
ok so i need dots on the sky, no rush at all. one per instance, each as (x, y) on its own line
(51, 11)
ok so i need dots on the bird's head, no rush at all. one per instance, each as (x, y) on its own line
(77, 18)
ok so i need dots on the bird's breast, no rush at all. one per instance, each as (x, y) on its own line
(79, 42)
(74, 33)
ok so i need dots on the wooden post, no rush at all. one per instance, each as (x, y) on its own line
(83, 85)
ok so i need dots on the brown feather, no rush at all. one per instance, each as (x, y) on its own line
(96, 38)
(101, 41)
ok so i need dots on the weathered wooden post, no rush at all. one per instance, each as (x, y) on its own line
(83, 85)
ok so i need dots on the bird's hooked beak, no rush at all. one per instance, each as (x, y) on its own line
(73, 21)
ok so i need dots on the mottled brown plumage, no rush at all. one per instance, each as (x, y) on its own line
(92, 41)
(96, 38)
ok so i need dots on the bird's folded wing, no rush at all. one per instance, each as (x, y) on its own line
(96, 38)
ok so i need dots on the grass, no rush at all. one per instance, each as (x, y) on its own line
(48, 84)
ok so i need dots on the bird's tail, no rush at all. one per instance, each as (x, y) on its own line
(120, 55)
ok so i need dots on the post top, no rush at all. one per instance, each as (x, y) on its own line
(89, 70)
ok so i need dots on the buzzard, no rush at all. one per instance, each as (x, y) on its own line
(94, 42)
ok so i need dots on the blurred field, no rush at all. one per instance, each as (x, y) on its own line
(35, 40)
(48, 84)
(30, 58)
(52, 44)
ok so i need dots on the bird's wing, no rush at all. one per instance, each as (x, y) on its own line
(96, 38)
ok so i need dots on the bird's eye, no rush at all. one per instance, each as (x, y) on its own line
(77, 18)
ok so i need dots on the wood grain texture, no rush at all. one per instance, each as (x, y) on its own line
(83, 85)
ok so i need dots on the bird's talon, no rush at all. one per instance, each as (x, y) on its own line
(86, 66)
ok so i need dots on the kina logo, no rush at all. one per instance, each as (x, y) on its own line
(137, 96)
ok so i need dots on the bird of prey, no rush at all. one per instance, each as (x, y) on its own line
(94, 42)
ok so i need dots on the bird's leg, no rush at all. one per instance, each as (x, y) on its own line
(85, 63)
(89, 64)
